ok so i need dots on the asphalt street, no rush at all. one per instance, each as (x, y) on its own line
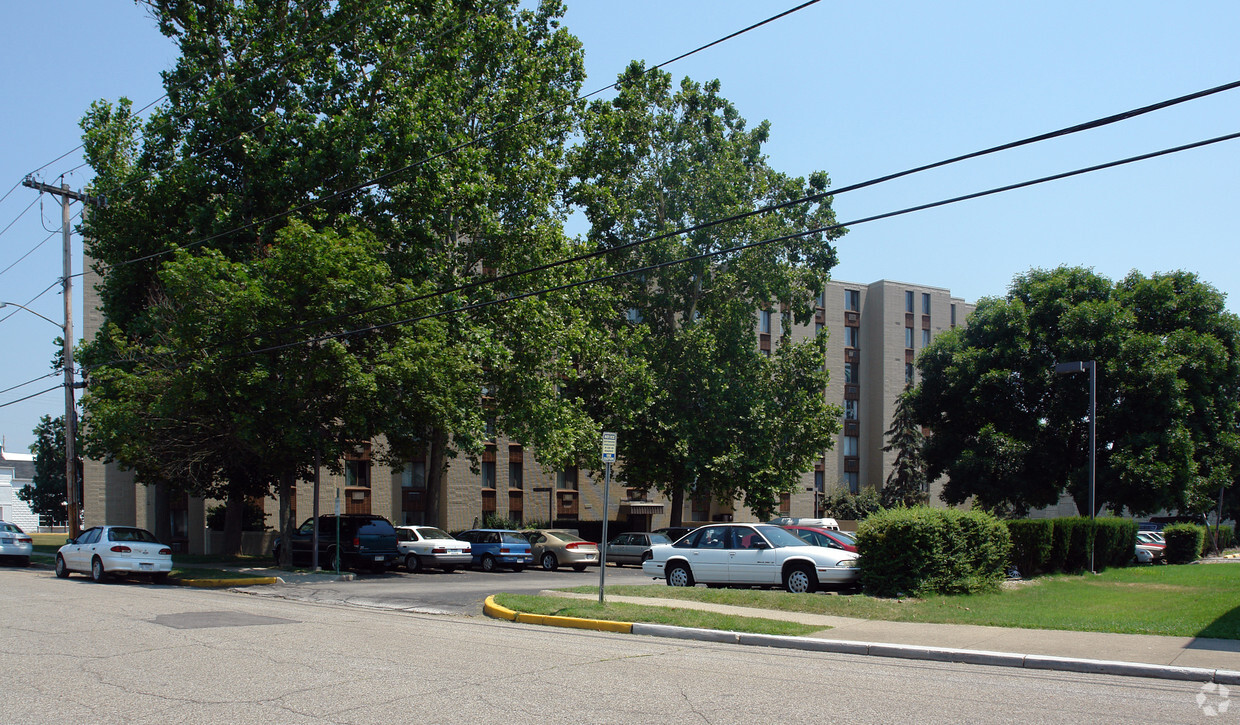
(135, 653)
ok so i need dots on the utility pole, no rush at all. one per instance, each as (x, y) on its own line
(67, 196)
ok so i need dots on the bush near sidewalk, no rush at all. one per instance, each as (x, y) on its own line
(921, 550)
(1184, 542)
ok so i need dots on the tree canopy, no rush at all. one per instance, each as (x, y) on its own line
(46, 495)
(1009, 432)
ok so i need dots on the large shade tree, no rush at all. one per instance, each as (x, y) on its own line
(706, 418)
(1009, 432)
(423, 137)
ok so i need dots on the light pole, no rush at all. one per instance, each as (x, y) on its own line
(1071, 368)
(66, 332)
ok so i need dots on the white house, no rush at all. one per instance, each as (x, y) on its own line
(16, 472)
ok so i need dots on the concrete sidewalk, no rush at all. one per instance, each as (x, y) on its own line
(1185, 656)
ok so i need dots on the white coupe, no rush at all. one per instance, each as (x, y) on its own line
(750, 555)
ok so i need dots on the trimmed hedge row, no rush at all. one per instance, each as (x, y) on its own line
(1226, 538)
(1184, 542)
(1052, 545)
(921, 550)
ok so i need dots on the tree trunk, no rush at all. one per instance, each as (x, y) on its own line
(163, 514)
(678, 506)
(286, 494)
(234, 514)
(436, 477)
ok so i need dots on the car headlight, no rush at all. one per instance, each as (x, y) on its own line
(847, 563)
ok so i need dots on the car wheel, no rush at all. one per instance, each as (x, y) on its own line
(62, 570)
(549, 562)
(800, 579)
(579, 567)
(489, 563)
(160, 578)
(678, 575)
(23, 561)
(413, 564)
(331, 559)
(96, 570)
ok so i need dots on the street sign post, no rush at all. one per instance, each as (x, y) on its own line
(609, 457)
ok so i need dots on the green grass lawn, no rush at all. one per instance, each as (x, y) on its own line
(1188, 601)
(620, 612)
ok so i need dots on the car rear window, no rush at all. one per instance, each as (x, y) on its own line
(377, 527)
(432, 533)
(10, 529)
(565, 536)
(132, 535)
(515, 539)
(659, 539)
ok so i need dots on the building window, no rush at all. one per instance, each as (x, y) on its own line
(852, 337)
(850, 445)
(820, 481)
(516, 475)
(700, 508)
(850, 410)
(853, 480)
(414, 475)
(908, 337)
(953, 315)
(566, 479)
(488, 474)
(925, 303)
(357, 474)
(908, 300)
(818, 328)
(785, 321)
(852, 300)
(822, 299)
(925, 338)
(765, 322)
(908, 373)
(490, 430)
(850, 373)
(635, 316)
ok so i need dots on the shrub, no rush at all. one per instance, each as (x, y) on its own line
(1226, 538)
(1070, 552)
(1032, 540)
(922, 550)
(1184, 542)
(1114, 539)
(841, 504)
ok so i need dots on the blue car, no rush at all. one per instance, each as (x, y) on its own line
(495, 548)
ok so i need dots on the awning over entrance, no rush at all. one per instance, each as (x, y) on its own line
(641, 507)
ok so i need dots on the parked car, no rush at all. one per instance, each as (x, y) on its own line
(824, 537)
(426, 547)
(367, 541)
(106, 550)
(1151, 548)
(750, 555)
(15, 544)
(674, 532)
(829, 524)
(553, 547)
(495, 548)
(633, 547)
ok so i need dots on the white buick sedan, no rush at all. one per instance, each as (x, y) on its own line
(106, 550)
(750, 555)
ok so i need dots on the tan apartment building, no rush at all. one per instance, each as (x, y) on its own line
(876, 330)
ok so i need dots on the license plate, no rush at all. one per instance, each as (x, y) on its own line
(6, 541)
(146, 565)
(378, 558)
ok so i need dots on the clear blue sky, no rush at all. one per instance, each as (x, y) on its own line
(856, 89)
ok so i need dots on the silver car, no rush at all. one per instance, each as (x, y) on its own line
(15, 544)
(633, 547)
(555, 547)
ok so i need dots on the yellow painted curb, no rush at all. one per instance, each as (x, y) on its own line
(218, 583)
(491, 609)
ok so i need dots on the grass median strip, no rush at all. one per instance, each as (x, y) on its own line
(1185, 601)
(674, 616)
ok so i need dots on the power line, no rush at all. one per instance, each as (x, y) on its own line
(1068, 130)
(716, 253)
(27, 254)
(19, 216)
(451, 150)
(32, 395)
(52, 374)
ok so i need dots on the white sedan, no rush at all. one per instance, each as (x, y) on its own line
(426, 547)
(105, 550)
(750, 555)
(15, 543)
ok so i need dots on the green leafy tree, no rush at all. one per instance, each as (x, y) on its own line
(46, 495)
(701, 416)
(405, 124)
(1010, 433)
(907, 482)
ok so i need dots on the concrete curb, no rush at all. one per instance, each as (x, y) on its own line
(221, 583)
(874, 649)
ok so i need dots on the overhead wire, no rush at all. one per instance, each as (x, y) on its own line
(23, 213)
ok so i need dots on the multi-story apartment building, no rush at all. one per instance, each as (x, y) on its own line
(876, 331)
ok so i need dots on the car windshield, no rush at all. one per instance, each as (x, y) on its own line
(780, 537)
(659, 539)
(127, 534)
(510, 538)
(845, 537)
(433, 533)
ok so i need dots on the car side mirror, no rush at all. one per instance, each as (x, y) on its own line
(69, 541)
(759, 545)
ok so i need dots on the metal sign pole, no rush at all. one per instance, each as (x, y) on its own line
(609, 455)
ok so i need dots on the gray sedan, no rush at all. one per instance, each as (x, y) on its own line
(15, 544)
(633, 547)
